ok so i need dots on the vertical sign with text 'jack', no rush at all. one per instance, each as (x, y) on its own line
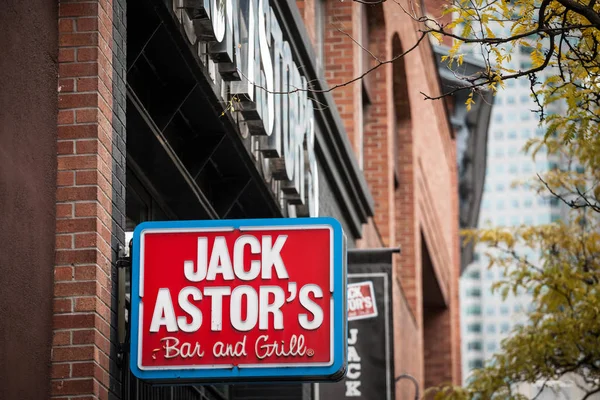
(370, 373)
(238, 301)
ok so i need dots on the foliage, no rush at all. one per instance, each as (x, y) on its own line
(562, 41)
(561, 273)
(563, 333)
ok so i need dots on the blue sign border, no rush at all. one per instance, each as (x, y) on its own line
(334, 372)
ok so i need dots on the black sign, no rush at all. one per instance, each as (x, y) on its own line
(370, 330)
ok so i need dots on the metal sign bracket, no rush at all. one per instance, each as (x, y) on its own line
(124, 304)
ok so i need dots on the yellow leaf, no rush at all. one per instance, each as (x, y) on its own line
(437, 36)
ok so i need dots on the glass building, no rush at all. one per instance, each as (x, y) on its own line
(506, 202)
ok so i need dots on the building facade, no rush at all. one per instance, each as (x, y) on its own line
(124, 111)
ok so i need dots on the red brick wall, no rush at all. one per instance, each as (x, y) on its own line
(378, 134)
(342, 64)
(425, 205)
(82, 273)
(406, 226)
(437, 347)
(408, 345)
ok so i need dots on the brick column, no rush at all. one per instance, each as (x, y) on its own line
(342, 64)
(379, 127)
(407, 225)
(90, 199)
(454, 281)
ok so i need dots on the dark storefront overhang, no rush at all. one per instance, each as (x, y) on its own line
(471, 130)
(201, 165)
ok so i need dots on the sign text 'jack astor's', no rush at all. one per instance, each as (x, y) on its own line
(250, 58)
(235, 300)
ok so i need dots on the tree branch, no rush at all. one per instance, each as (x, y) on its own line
(486, 80)
(597, 390)
(580, 9)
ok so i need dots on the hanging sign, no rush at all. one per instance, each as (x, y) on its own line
(370, 330)
(241, 300)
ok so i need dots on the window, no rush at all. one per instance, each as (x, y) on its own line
(498, 135)
(500, 204)
(514, 203)
(474, 275)
(555, 218)
(514, 220)
(524, 82)
(528, 203)
(501, 221)
(491, 346)
(512, 134)
(498, 101)
(513, 168)
(510, 100)
(512, 117)
(498, 117)
(486, 204)
(491, 328)
(504, 310)
(526, 133)
(475, 364)
(527, 168)
(504, 327)
(476, 256)
(525, 115)
(517, 308)
(528, 220)
(512, 150)
(475, 345)
(499, 152)
(524, 98)
(510, 83)
(490, 310)
(474, 328)
(474, 309)
(489, 275)
(499, 169)
(499, 187)
(540, 131)
(580, 169)
(474, 292)
(526, 50)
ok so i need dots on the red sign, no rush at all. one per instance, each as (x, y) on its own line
(244, 298)
(361, 301)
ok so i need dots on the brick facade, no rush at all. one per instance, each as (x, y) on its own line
(90, 201)
(408, 154)
(404, 145)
